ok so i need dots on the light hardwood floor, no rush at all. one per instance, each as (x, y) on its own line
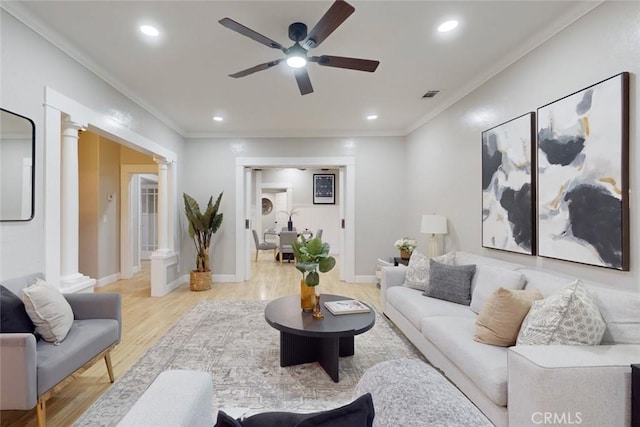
(146, 319)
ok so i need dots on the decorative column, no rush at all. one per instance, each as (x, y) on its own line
(71, 280)
(163, 205)
(163, 257)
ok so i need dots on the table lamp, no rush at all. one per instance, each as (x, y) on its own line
(433, 224)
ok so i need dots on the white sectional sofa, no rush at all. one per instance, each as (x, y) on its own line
(524, 385)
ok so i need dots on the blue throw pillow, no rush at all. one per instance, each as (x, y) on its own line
(359, 413)
(13, 315)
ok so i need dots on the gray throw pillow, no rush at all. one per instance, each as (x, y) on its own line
(450, 282)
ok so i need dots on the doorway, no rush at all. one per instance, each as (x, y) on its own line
(148, 215)
(246, 195)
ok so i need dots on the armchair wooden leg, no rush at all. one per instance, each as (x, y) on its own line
(257, 252)
(107, 359)
(41, 412)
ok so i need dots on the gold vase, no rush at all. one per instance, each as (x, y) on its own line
(404, 254)
(307, 297)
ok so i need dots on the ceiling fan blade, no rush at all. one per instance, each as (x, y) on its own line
(343, 62)
(304, 83)
(338, 12)
(257, 68)
(246, 31)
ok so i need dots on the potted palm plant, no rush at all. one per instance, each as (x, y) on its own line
(202, 226)
(312, 258)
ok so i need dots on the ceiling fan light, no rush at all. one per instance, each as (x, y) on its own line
(447, 26)
(296, 61)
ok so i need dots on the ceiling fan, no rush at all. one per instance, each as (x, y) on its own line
(296, 55)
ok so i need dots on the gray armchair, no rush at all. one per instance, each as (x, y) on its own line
(32, 371)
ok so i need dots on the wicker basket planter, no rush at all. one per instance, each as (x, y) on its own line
(200, 280)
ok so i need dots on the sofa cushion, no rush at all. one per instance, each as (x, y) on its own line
(85, 340)
(570, 317)
(450, 282)
(48, 310)
(500, 318)
(414, 306)
(13, 316)
(487, 279)
(621, 313)
(417, 275)
(547, 283)
(485, 365)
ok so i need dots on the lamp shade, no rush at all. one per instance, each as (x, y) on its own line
(434, 224)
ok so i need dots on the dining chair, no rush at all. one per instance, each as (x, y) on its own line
(286, 243)
(319, 233)
(263, 246)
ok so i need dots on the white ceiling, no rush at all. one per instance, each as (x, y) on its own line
(182, 76)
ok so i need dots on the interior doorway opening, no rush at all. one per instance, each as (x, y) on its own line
(250, 184)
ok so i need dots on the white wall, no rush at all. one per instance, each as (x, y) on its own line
(443, 157)
(28, 64)
(379, 198)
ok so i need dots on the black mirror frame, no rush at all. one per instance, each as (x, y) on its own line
(33, 168)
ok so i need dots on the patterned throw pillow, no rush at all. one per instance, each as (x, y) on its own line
(450, 282)
(417, 276)
(570, 317)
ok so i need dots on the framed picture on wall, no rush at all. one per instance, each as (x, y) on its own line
(324, 189)
(583, 175)
(508, 186)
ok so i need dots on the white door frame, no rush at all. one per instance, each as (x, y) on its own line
(243, 215)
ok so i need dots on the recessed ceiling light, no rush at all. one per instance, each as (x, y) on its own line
(447, 26)
(149, 30)
(218, 118)
(372, 117)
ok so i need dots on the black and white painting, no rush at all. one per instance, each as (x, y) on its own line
(583, 175)
(508, 186)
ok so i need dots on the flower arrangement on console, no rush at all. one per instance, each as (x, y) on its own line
(406, 245)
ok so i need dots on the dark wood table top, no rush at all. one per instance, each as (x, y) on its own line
(285, 314)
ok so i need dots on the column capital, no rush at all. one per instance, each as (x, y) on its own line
(70, 127)
(161, 161)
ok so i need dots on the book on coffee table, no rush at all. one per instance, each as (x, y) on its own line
(347, 306)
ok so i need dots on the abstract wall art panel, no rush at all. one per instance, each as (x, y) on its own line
(583, 176)
(508, 185)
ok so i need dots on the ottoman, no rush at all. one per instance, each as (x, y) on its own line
(175, 399)
(411, 393)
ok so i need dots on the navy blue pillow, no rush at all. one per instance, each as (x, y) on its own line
(359, 413)
(13, 315)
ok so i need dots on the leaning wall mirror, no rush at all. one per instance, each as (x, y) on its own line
(17, 166)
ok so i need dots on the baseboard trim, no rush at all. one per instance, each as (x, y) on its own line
(182, 280)
(108, 280)
(225, 278)
(366, 279)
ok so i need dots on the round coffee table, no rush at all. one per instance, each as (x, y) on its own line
(304, 339)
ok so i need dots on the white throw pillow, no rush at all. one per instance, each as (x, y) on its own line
(48, 310)
(417, 275)
(488, 279)
(570, 317)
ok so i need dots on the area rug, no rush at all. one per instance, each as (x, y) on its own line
(232, 341)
